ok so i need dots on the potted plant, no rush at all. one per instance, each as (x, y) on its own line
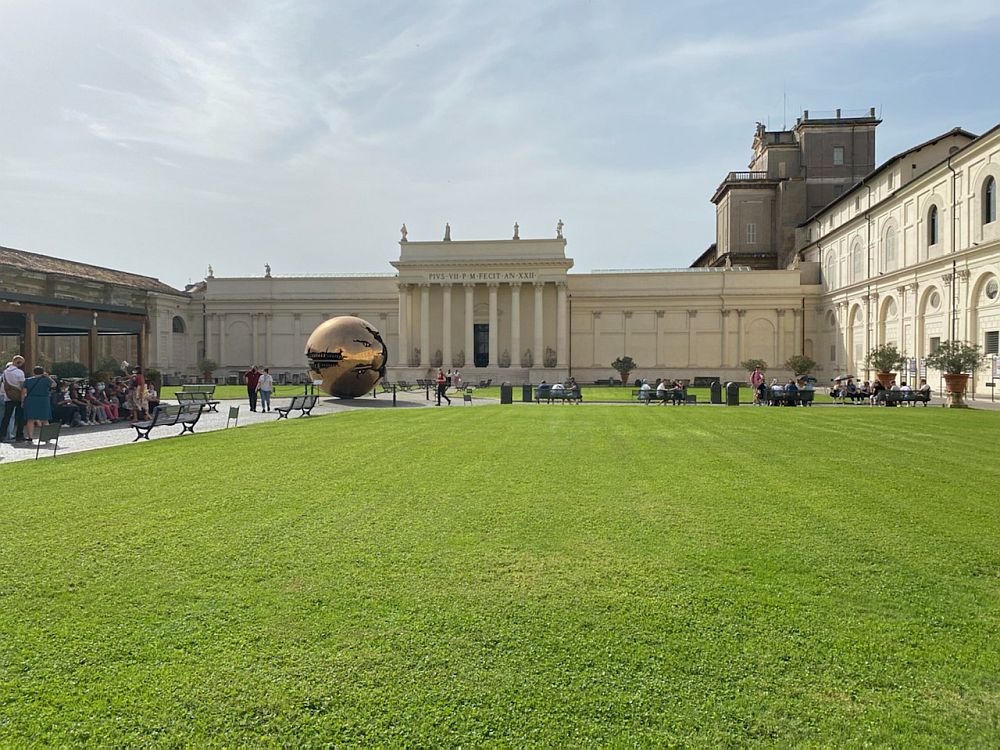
(623, 365)
(884, 359)
(955, 360)
(207, 367)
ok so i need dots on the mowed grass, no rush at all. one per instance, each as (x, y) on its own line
(511, 576)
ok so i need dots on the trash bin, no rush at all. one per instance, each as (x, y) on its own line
(527, 393)
(732, 394)
(506, 393)
(716, 392)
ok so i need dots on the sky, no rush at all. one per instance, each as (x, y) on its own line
(161, 137)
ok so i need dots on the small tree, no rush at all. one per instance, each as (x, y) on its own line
(206, 367)
(108, 364)
(955, 357)
(884, 358)
(800, 364)
(754, 364)
(623, 366)
(154, 376)
(68, 370)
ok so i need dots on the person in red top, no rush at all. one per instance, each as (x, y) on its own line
(442, 384)
(252, 377)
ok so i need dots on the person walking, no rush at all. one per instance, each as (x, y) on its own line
(756, 381)
(265, 385)
(442, 387)
(13, 386)
(37, 406)
(252, 377)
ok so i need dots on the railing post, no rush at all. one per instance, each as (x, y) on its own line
(393, 394)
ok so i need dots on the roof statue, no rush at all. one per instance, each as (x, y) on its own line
(267, 270)
(517, 231)
(402, 232)
(211, 273)
(559, 228)
(447, 232)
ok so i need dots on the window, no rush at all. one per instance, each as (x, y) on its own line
(990, 201)
(890, 250)
(892, 180)
(838, 156)
(992, 342)
(751, 234)
(857, 203)
(178, 324)
(833, 352)
(932, 226)
(858, 260)
(935, 343)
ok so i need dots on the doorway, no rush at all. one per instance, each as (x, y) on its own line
(481, 335)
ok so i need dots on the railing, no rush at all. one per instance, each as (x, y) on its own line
(746, 176)
(837, 114)
(698, 269)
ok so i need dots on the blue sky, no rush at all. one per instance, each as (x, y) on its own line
(160, 137)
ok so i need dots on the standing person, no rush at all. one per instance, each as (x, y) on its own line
(13, 386)
(37, 406)
(756, 381)
(442, 386)
(137, 403)
(265, 385)
(252, 377)
(456, 380)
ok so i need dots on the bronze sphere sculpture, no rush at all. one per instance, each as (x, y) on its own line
(348, 355)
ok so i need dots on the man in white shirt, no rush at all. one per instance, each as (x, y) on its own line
(265, 385)
(13, 386)
(645, 392)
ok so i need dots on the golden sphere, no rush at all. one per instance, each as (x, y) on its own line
(348, 355)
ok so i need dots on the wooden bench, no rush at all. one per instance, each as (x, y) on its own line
(904, 397)
(799, 398)
(185, 415)
(671, 395)
(207, 388)
(566, 395)
(197, 397)
(303, 404)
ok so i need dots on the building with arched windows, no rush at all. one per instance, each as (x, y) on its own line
(818, 251)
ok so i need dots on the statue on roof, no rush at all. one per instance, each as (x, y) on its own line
(267, 270)
(447, 232)
(559, 228)
(517, 231)
(402, 232)
(211, 273)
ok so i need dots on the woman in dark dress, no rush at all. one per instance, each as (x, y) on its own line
(37, 406)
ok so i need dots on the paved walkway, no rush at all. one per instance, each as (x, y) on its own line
(85, 438)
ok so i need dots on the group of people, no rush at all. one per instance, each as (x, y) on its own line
(259, 381)
(673, 391)
(845, 389)
(29, 402)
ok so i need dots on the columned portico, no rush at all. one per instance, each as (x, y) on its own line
(425, 325)
(470, 341)
(515, 324)
(494, 324)
(537, 350)
(446, 324)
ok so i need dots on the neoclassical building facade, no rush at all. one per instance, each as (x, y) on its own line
(818, 251)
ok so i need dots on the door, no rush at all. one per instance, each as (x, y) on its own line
(481, 334)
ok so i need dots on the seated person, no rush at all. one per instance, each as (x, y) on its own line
(777, 392)
(677, 393)
(556, 391)
(807, 389)
(851, 391)
(152, 397)
(65, 410)
(661, 390)
(645, 392)
(924, 389)
(791, 393)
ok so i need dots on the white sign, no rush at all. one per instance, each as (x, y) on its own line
(996, 367)
(460, 276)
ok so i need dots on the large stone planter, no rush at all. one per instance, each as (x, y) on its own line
(956, 384)
(886, 378)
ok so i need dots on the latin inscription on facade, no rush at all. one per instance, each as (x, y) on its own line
(483, 276)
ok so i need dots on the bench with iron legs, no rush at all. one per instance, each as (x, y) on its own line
(206, 388)
(548, 393)
(304, 404)
(197, 397)
(797, 398)
(675, 396)
(185, 415)
(904, 397)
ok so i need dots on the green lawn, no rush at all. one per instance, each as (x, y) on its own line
(512, 576)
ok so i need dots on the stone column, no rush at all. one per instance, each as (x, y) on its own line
(425, 325)
(874, 338)
(142, 347)
(561, 324)
(724, 360)
(254, 336)
(740, 342)
(30, 346)
(596, 317)
(797, 343)
(539, 351)
(842, 335)
(268, 341)
(660, 359)
(963, 306)
(515, 324)
(470, 319)
(222, 340)
(914, 312)
(446, 324)
(779, 345)
(494, 323)
(692, 314)
(91, 345)
(626, 317)
(403, 343)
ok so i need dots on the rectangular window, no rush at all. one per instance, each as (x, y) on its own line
(833, 352)
(992, 342)
(857, 203)
(751, 234)
(838, 156)
(935, 343)
(892, 180)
